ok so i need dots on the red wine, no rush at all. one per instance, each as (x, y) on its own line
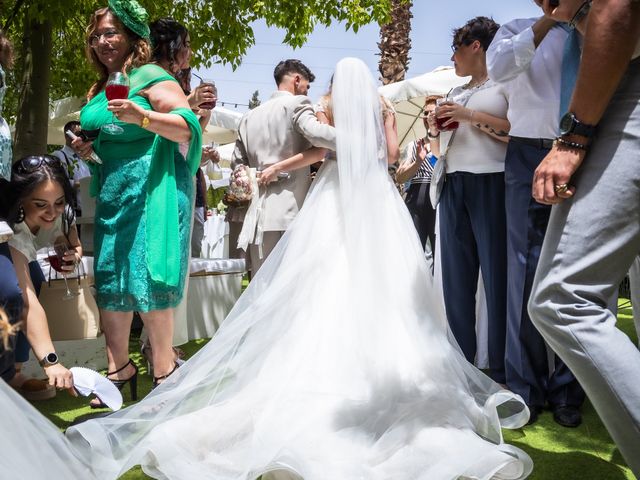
(56, 263)
(208, 105)
(114, 92)
(440, 123)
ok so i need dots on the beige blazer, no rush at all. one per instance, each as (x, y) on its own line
(274, 131)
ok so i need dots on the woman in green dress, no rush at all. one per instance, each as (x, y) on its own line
(143, 189)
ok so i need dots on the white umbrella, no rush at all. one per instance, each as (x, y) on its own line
(223, 126)
(408, 98)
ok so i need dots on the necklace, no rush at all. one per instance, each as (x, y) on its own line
(478, 84)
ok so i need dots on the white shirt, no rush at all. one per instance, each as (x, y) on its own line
(28, 244)
(530, 76)
(472, 150)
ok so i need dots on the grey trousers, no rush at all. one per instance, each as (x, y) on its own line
(269, 241)
(634, 280)
(590, 244)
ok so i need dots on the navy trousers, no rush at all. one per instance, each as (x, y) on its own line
(473, 239)
(11, 301)
(527, 365)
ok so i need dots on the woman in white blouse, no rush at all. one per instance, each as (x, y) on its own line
(37, 205)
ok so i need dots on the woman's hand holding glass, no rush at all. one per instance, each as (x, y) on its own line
(204, 93)
(126, 111)
(450, 114)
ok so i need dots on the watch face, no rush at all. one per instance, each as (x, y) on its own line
(51, 358)
(566, 122)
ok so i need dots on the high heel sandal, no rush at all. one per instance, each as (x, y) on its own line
(132, 381)
(158, 380)
(145, 350)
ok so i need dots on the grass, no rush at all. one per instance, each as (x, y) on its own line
(558, 453)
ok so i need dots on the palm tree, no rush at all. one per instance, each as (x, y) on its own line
(395, 43)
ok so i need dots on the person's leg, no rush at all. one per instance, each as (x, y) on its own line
(414, 202)
(197, 233)
(634, 281)
(11, 301)
(485, 201)
(117, 327)
(429, 219)
(592, 240)
(159, 326)
(460, 265)
(269, 241)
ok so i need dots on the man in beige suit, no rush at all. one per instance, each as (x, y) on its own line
(283, 126)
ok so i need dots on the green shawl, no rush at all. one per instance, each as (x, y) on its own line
(162, 202)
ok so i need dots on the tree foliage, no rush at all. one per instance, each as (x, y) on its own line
(220, 30)
(255, 100)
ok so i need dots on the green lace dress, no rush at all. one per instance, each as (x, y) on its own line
(143, 212)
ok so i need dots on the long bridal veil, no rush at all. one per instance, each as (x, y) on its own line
(336, 362)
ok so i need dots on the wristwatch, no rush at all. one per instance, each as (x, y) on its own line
(569, 124)
(49, 360)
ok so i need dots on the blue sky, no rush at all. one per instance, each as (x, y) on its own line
(430, 35)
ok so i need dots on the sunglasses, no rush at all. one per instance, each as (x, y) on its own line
(34, 162)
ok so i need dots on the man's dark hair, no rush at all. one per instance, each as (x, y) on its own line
(292, 66)
(71, 125)
(482, 29)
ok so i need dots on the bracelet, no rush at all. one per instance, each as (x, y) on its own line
(144, 123)
(432, 136)
(568, 144)
(580, 14)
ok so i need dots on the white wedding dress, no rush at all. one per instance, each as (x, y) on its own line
(336, 363)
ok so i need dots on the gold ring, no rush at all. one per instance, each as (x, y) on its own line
(562, 188)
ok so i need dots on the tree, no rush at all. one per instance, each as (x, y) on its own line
(49, 35)
(395, 43)
(255, 101)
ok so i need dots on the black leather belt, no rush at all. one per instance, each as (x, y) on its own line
(541, 143)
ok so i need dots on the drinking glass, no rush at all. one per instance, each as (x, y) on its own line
(440, 121)
(117, 88)
(212, 84)
(56, 260)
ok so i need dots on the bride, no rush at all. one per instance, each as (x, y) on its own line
(336, 363)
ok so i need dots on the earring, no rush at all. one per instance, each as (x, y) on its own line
(20, 218)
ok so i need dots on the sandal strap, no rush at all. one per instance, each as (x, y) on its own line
(163, 377)
(130, 362)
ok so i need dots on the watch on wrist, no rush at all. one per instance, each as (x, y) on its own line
(570, 125)
(144, 123)
(49, 359)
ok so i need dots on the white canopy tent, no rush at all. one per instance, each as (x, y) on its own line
(222, 127)
(408, 98)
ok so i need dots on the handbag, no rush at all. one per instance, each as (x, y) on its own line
(77, 318)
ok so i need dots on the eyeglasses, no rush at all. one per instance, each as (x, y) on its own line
(109, 36)
(454, 48)
(34, 162)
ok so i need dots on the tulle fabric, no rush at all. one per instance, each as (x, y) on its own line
(336, 362)
(31, 447)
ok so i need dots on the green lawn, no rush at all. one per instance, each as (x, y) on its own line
(584, 453)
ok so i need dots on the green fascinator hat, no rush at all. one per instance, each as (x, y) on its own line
(133, 15)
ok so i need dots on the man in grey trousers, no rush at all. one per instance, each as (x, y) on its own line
(591, 176)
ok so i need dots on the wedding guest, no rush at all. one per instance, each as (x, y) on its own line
(37, 205)
(277, 129)
(6, 62)
(525, 57)
(143, 186)
(472, 210)
(75, 166)
(594, 230)
(417, 169)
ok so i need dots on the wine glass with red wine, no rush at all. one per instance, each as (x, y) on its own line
(57, 262)
(117, 88)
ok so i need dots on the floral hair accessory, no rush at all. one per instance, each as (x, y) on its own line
(133, 15)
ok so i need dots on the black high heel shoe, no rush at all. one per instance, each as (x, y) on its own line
(132, 381)
(157, 380)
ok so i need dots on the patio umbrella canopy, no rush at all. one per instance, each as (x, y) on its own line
(408, 98)
(222, 127)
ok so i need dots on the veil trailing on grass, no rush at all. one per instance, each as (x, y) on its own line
(336, 362)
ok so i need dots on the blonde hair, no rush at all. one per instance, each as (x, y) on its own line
(140, 50)
(6, 329)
